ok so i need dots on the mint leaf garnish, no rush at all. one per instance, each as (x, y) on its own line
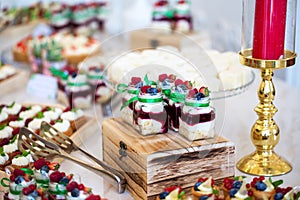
(2, 126)
(276, 183)
(11, 105)
(146, 80)
(40, 115)
(180, 196)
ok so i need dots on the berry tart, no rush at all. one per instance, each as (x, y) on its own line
(22, 161)
(19, 179)
(205, 189)
(35, 124)
(3, 116)
(16, 122)
(63, 126)
(285, 194)
(72, 115)
(239, 190)
(4, 159)
(231, 183)
(263, 188)
(12, 147)
(57, 185)
(150, 113)
(52, 113)
(77, 191)
(197, 120)
(13, 109)
(5, 132)
(171, 193)
(31, 192)
(30, 112)
(41, 171)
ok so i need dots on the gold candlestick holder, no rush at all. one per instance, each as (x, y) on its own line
(265, 132)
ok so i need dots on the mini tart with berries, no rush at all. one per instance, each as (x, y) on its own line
(5, 132)
(205, 188)
(35, 124)
(171, 193)
(4, 159)
(285, 194)
(58, 183)
(77, 191)
(41, 171)
(12, 147)
(232, 185)
(240, 192)
(19, 179)
(13, 109)
(31, 192)
(30, 112)
(16, 122)
(63, 126)
(264, 188)
(52, 113)
(3, 116)
(72, 115)
(22, 161)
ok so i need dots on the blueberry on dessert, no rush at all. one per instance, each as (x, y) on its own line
(77, 191)
(166, 82)
(287, 193)
(171, 193)
(197, 120)
(31, 192)
(233, 184)
(264, 188)
(205, 189)
(150, 111)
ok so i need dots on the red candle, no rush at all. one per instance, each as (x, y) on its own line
(269, 29)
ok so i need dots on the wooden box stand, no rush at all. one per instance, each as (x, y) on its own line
(154, 162)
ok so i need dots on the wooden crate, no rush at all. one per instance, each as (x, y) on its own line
(154, 162)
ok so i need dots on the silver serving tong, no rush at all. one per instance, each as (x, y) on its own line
(42, 147)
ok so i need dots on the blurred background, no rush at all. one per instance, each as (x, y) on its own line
(220, 19)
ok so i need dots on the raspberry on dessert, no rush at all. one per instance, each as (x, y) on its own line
(67, 109)
(32, 187)
(172, 77)
(27, 191)
(171, 188)
(162, 77)
(188, 84)
(16, 131)
(93, 197)
(81, 186)
(19, 172)
(72, 185)
(145, 88)
(55, 176)
(4, 141)
(178, 82)
(12, 178)
(39, 163)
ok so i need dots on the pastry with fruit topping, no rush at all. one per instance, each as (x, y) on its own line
(22, 161)
(4, 159)
(77, 191)
(63, 126)
(58, 184)
(30, 112)
(150, 111)
(35, 124)
(41, 171)
(20, 50)
(171, 193)
(12, 147)
(31, 192)
(72, 115)
(5, 132)
(285, 194)
(19, 179)
(197, 120)
(52, 113)
(205, 189)
(263, 188)
(16, 122)
(13, 109)
(3, 117)
(236, 188)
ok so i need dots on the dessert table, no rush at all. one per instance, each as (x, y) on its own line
(236, 117)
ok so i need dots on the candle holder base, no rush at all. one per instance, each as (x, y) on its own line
(264, 164)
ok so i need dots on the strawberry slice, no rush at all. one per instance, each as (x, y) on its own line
(191, 93)
(172, 77)
(204, 90)
(162, 77)
(188, 84)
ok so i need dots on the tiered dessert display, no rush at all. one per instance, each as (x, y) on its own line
(270, 47)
